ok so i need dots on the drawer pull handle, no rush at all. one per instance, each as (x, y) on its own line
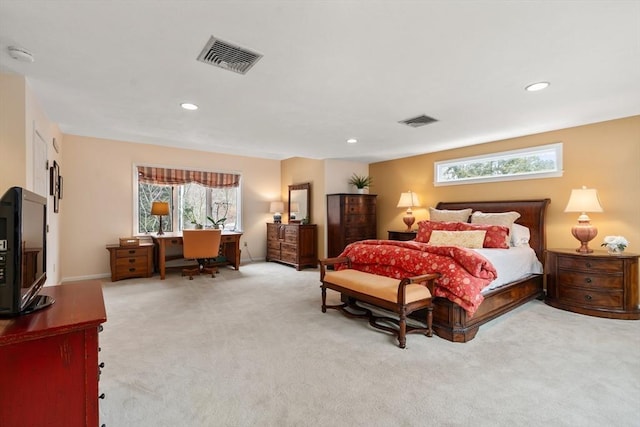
(101, 365)
(132, 269)
(588, 297)
(132, 260)
(132, 251)
(102, 396)
(588, 264)
(100, 328)
(588, 280)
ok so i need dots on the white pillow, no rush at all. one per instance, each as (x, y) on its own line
(520, 235)
(503, 218)
(448, 215)
(467, 239)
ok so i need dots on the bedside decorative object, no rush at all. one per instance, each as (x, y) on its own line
(276, 209)
(584, 200)
(408, 200)
(595, 284)
(615, 244)
(160, 209)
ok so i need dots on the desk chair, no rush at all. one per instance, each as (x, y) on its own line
(201, 245)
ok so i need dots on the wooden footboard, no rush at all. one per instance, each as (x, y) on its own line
(452, 323)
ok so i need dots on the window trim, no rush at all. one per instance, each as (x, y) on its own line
(556, 148)
(175, 223)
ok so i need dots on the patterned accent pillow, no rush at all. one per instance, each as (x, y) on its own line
(497, 236)
(461, 215)
(467, 239)
(426, 227)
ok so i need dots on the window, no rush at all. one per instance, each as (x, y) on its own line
(544, 161)
(196, 199)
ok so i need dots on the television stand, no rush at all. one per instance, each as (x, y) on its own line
(49, 360)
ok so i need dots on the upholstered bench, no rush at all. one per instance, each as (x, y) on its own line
(399, 296)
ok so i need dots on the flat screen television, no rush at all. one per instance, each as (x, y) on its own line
(23, 252)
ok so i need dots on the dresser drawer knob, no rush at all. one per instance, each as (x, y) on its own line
(102, 396)
(101, 365)
(132, 260)
(588, 265)
(132, 251)
(132, 269)
(588, 297)
(588, 280)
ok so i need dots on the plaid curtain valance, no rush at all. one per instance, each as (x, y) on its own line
(168, 176)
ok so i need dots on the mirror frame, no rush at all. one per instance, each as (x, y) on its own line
(306, 186)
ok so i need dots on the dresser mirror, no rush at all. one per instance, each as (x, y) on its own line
(299, 207)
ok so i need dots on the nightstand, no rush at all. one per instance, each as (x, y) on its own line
(596, 284)
(402, 235)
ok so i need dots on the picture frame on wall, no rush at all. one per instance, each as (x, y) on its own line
(55, 185)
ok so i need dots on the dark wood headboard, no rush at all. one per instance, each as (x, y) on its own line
(532, 215)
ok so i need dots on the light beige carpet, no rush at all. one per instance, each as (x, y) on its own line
(252, 348)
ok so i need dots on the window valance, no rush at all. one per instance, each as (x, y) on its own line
(168, 176)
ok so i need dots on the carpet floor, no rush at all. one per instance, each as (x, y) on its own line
(252, 348)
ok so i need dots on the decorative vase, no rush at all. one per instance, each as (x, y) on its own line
(361, 190)
(614, 251)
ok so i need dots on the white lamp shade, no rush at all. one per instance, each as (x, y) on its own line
(584, 200)
(408, 200)
(276, 207)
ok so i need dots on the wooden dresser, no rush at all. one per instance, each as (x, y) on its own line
(350, 217)
(293, 244)
(597, 284)
(49, 360)
(131, 261)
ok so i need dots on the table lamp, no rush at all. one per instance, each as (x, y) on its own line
(584, 200)
(408, 200)
(276, 209)
(160, 209)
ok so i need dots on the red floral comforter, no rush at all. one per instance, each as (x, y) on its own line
(464, 272)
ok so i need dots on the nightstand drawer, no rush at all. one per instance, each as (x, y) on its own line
(590, 298)
(609, 265)
(124, 264)
(588, 280)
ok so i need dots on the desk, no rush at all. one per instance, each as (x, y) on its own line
(229, 248)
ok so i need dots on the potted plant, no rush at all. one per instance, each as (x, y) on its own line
(360, 182)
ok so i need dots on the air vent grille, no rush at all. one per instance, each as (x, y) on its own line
(418, 121)
(228, 56)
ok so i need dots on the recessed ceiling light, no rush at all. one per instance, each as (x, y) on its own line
(352, 141)
(189, 106)
(537, 86)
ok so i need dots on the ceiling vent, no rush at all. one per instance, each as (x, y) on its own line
(228, 56)
(416, 122)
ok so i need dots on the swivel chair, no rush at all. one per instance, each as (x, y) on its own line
(201, 245)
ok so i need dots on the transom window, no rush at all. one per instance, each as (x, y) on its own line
(544, 161)
(197, 199)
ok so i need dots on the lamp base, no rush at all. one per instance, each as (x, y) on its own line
(277, 218)
(408, 220)
(160, 230)
(584, 232)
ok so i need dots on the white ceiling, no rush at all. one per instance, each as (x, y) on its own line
(331, 70)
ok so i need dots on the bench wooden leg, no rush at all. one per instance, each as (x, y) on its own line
(402, 329)
(430, 321)
(324, 299)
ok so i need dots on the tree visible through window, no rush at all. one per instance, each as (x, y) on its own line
(537, 162)
(192, 204)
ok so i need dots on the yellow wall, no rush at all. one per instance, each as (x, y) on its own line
(12, 132)
(297, 170)
(605, 156)
(97, 208)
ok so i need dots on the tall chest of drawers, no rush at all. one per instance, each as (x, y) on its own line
(596, 284)
(293, 244)
(350, 217)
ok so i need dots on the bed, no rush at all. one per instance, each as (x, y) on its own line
(458, 316)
